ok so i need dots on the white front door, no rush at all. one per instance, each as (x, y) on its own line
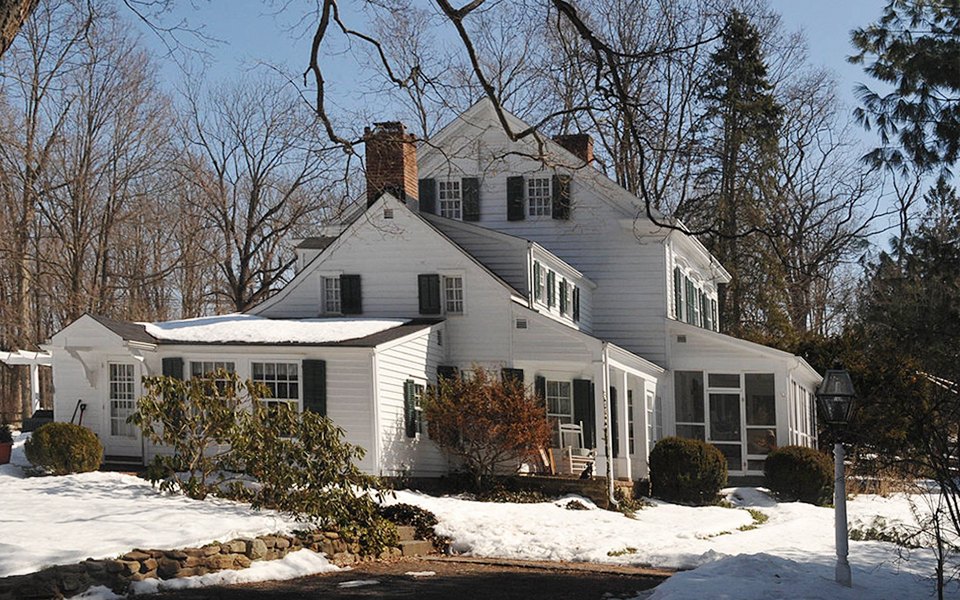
(121, 438)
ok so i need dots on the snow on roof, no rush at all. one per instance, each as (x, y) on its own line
(251, 329)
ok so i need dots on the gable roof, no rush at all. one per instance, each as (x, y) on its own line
(132, 332)
(378, 205)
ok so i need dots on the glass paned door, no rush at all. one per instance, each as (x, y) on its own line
(123, 400)
(725, 427)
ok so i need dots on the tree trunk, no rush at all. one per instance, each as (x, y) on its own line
(13, 14)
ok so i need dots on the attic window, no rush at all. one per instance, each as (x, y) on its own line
(521, 323)
(681, 339)
(388, 213)
(439, 337)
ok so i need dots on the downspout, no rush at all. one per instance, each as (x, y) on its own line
(607, 424)
(375, 406)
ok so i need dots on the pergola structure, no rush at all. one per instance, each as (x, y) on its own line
(34, 360)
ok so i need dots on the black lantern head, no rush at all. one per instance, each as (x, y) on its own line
(835, 397)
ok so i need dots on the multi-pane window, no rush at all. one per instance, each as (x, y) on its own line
(450, 200)
(453, 295)
(559, 406)
(414, 423)
(539, 201)
(631, 438)
(654, 421)
(282, 379)
(331, 295)
(123, 399)
(200, 368)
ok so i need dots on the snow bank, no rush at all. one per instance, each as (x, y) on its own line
(250, 329)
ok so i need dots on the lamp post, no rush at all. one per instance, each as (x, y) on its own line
(835, 400)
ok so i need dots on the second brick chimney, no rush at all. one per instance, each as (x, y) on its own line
(580, 144)
(391, 162)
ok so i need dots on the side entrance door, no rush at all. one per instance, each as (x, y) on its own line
(121, 439)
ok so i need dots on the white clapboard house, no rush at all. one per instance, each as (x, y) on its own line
(471, 251)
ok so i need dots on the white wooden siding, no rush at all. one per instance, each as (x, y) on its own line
(415, 359)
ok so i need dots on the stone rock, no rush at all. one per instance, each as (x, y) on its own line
(327, 547)
(256, 549)
(148, 564)
(191, 561)
(176, 554)
(242, 561)
(218, 562)
(112, 566)
(168, 568)
(344, 558)
(136, 555)
(73, 583)
(269, 541)
(234, 547)
(283, 542)
(331, 535)
(129, 567)
(210, 550)
(94, 566)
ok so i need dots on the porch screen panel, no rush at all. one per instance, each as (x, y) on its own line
(123, 400)
(761, 413)
(688, 390)
(725, 427)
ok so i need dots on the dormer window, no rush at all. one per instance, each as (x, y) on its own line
(450, 200)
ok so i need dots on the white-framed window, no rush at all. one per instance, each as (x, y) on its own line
(539, 201)
(123, 399)
(331, 295)
(559, 406)
(282, 379)
(450, 199)
(453, 295)
(199, 368)
(654, 421)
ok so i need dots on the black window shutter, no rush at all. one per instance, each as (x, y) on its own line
(584, 412)
(537, 274)
(614, 422)
(561, 196)
(563, 296)
(429, 291)
(351, 300)
(470, 190)
(409, 408)
(576, 303)
(551, 289)
(446, 372)
(427, 192)
(540, 387)
(173, 367)
(515, 198)
(507, 374)
(315, 386)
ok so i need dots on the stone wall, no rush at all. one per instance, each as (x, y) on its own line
(117, 574)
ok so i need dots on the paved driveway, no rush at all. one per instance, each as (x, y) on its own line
(455, 579)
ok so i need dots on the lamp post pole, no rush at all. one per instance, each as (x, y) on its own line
(835, 401)
(840, 516)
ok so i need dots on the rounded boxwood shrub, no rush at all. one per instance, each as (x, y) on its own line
(63, 448)
(799, 473)
(688, 471)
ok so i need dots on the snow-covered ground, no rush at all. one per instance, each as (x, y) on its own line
(724, 552)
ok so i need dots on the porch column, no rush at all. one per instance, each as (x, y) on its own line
(623, 426)
(604, 433)
(34, 387)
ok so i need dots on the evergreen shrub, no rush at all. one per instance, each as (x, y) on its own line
(799, 473)
(63, 448)
(687, 471)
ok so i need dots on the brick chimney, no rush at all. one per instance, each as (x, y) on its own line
(391, 162)
(580, 144)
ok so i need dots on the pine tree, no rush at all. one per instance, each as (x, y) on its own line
(743, 119)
